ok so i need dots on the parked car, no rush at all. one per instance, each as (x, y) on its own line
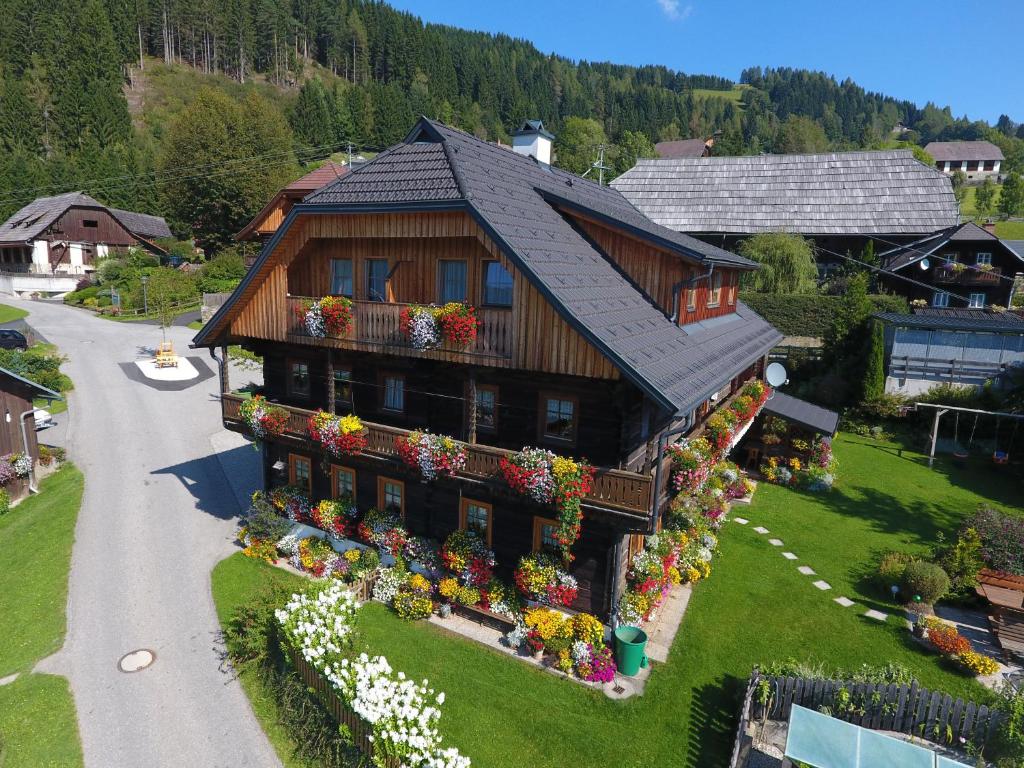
(43, 419)
(11, 339)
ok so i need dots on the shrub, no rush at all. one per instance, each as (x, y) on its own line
(925, 580)
(5, 501)
(263, 521)
(891, 568)
(962, 561)
(797, 314)
(1002, 539)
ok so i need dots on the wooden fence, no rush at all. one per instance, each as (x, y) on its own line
(909, 709)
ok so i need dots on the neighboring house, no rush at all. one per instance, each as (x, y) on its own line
(964, 266)
(952, 346)
(601, 335)
(66, 234)
(684, 148)
(269, 219)
(17, 429)
(978, 159)
(841, 200)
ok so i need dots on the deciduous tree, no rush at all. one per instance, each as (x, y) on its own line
(787, 263)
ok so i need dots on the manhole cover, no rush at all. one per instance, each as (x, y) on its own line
(136, 660)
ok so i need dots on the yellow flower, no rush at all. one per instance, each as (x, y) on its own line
(548, 623)
(674, 576)
(794, 464)
(692, 575)
(352, 555)
(350, 424)
(586, 628)
(448, 588)
(562, 467)
(419, 583)
(705, 568)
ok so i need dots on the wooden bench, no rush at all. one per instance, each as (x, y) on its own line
(493, 620)
(1009, 628)
(165, 357)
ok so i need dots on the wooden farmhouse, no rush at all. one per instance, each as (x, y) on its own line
(18, 432)
(602, 335)
(66, 234)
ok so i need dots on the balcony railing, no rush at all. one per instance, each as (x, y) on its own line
(969, 275)
(612, 488)
(376, 324)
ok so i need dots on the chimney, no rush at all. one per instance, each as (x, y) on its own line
(533, 139)
(989, 226)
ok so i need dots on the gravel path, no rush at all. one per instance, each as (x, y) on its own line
(157, 515)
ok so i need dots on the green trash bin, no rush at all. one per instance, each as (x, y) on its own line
(630, 643)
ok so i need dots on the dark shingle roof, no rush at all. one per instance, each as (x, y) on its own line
(681, 148)
(904, 255)
(803, 413)
(964, 150)
(515, 199)
(39, 389)
(957, 320)
(142, 224)
(1017, 246)
(858, 193)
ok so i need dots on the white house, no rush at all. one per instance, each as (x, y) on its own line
(978, 159)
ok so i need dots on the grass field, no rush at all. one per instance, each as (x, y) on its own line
(9, 313)
(735, 95)
(755, 608)
(37, 714)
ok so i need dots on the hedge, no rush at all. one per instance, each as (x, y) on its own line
(809, 314)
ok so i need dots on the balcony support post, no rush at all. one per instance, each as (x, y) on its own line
(225, 370)
(471, 408)
(330, 381)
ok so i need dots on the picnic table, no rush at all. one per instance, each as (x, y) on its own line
(165, 357)
(1005, 595)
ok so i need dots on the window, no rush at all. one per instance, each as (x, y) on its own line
(377, 279)
(451, 276)
(343, 482)
(476, 516)
(940, 299)
(972, 165)
(950, 258)
(983, 258)
(559, 418)
(394, 393)
(730, 292)
(715, 290)
(90, 223)
(544, 539)
(343, 387)
(977, 301)
(691, 299)
(341, 277)
(990, 165)
(391, 495)
(497, 285)
(299, 472)
(487, 408)
(298, 379)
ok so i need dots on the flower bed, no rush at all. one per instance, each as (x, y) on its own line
(550, 479)
(538, 577)
(402, 714)
(292, 502)
(468, 558)
(330, 316)
(262, 418)
(815, 474)
(574, 643)
(669, 558)
(339, 436)
(428, 327)
(947, 640)
(431, 454)
(337, 518)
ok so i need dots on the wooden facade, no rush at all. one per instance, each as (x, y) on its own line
(16, 397)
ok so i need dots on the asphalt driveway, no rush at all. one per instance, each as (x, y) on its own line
(158, 513)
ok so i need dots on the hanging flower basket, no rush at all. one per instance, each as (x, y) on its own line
(691, 465)
(432, 455)
(538, 577)
(336, 517)
(330, 316)
(427, 327)
(338, 435)
(550, 479)
(262, 418)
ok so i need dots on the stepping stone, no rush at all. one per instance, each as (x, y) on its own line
(822, 585)
(876, 615)
(761, 529)
(789, 555)
(806, 570)
(844, 601)
(740, 520)
(775, 542)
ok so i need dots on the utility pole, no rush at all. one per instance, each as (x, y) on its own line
(350, 156)
(598, 165)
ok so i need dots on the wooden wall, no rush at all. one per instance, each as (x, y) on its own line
(15, 399)
(71, 226)
(432, 511)
(656, 270)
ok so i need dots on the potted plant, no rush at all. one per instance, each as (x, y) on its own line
(339, 436)
(431, 454)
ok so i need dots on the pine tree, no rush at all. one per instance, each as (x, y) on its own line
(874, 369)
(312, 121)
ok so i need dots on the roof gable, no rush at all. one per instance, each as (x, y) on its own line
(902, 256)
(36, 217)
(855, 193)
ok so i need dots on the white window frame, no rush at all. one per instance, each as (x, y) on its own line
(983, 258)
(977, 301)
(940, 299)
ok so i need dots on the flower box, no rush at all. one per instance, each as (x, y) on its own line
(329, 316)
(427, 327)
(483, 616)
(339, 436)
(431, 454)
(262, 418)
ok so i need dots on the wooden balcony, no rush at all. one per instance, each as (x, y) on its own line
(613, 489)
(969, 275)
(375, 328)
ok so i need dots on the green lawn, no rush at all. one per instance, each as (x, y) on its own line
(196, 325)
(37, 724)
(755, 608)
(37, 714)
(1010, 230)
(9, 313)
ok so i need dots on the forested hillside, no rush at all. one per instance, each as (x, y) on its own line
(84, 104)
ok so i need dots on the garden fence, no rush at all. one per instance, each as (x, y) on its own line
(909, 709)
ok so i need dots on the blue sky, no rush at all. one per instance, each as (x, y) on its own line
(956, 53)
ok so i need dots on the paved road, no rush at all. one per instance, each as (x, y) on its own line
(157, 515)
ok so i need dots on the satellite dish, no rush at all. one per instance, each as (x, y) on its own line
(925, 263)
(776, 374)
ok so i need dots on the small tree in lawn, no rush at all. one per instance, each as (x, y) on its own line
(985, 197)
(959, 181)
(166, 290)
(1011, 200)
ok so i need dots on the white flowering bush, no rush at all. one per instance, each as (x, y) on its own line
(387, 584)
(319, 626)
(288, 545)
(22, 464)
